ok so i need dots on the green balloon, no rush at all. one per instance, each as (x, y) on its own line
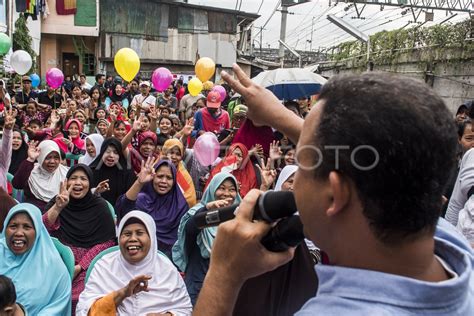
(5, 43)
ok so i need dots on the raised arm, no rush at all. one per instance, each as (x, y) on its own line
(263, 106)
(147, 172)
(6, 154)
(128, 138)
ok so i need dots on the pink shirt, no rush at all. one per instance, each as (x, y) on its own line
(5, 157)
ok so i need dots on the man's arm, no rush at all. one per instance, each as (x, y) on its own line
(263, 106)
(230, 267)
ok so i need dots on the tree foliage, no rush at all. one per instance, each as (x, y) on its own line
(387, 46)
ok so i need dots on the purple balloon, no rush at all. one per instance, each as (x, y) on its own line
(54, 78)
(161, 79)
(221, 91)
(206, 148)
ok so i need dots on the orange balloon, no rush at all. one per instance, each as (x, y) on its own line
(205, 68)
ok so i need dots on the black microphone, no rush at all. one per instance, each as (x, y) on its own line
(287, 233)
(271, 205)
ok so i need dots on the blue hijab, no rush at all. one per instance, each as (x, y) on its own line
(206, 237)
(42, 282)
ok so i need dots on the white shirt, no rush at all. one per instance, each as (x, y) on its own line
(464, 182)
(145, 102)
(86, 86)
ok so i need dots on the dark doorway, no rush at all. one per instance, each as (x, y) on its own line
(70, 64)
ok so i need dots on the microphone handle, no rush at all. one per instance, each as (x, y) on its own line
(287, 233)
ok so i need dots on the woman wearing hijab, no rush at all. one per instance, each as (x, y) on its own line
(156, 193)
(174, 149)
(80, 220)
(73, 143)
(284, 290)
(238, 163)
(192, 250)
(135, 280)
(30, 259)
(93, 145)
(19, 151)
(286, 178)
(117, 94)
(40, 181)
(110, 164)
(102, 126)
(147, 142)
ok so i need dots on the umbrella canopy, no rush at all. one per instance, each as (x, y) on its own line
(290, 83)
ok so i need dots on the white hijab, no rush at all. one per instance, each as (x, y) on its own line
(285, 174)
(167, 291)
(97, 141)
(43, 184)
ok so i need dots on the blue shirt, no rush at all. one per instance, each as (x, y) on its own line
(347, 291)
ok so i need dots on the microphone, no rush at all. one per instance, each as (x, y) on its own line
(286, 234)
(271, 206)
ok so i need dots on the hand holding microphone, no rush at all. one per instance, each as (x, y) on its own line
(270, 207)
(237, 252)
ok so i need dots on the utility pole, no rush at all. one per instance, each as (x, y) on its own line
(261, 34)
(311, 43)
(284, 13)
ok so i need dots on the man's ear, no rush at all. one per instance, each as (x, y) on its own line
(340, 191)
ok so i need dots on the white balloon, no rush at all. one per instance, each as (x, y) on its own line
(21, 62)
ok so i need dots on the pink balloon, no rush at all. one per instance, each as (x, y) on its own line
(54, 78)
(206, 148)
(221, 91)
(161, 79)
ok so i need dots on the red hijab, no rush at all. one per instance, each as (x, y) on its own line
(137, 157)
(245, 175)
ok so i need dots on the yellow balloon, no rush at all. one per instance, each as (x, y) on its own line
(205, 68)
(194, 86)
(127, 63)
(208, 85)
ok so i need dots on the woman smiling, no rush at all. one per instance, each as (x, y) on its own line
(137, 280)
(192, 250)
(80, 220)
(156, 192)
(30, 259)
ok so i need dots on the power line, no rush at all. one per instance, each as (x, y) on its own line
(271, 15)
(347, 36)
(261, 3)
(291, 37)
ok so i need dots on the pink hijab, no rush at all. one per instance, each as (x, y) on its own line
(77, 141)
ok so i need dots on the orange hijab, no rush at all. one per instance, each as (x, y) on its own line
(185, 182)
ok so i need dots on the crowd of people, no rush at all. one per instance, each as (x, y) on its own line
(109, 171)
(101, 187)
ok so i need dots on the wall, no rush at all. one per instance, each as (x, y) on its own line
(53, 47)
(64, 24)
(180, 47)
(450, 76)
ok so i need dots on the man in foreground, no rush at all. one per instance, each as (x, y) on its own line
(374, 155)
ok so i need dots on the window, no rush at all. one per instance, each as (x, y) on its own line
(88, 66)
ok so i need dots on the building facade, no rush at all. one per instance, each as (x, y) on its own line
(163, 33)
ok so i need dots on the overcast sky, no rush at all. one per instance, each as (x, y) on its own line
(325, 34)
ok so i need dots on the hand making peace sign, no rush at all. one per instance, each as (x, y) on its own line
(62, 199)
